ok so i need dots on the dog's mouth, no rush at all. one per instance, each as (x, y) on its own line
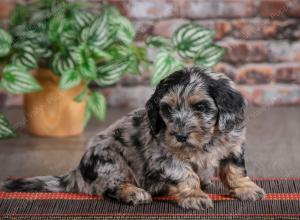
(189, 145)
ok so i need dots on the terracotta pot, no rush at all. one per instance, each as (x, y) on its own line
(52, 112)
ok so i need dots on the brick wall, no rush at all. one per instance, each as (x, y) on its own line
(262, 37)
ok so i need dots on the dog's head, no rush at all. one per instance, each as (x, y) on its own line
(189, 106)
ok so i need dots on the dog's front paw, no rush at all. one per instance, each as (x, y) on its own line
(198, 202)
(250, 193)
(205, 184)
(139, 196)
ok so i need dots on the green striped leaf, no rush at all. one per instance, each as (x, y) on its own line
(191, 39)
(68, 37)
(43, 52)
(5, 43)
(112, 35)
(112, 72)
(26, 59)
(120, 28)
(6, 131)
(126, 31)
(56, 27)
(129, 53)
(97, 104)
(210, 56)
(120, 51)
(88, 68)
(62, 31)
(18, 15)
(62, 63)
(17, 80)
(98, 53)
(26, 54)
(159, 42)
(5, 36)
(36, 49)
(81, 96)
(164, 65)
(83, 18)
(4, 48)
(76, 54)
(69, 79)
(105, 40)
(85, 34)
(98, 33)
(133, 66)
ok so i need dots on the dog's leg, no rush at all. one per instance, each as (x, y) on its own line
(188, 193)
(205, 176)
(233, 175)
(131, 194)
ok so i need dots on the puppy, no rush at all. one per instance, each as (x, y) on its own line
(191, 126)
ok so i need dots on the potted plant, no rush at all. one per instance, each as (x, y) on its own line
(52, 53)
(55, 49)
(190, 45)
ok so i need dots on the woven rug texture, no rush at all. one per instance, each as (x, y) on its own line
(282, 202)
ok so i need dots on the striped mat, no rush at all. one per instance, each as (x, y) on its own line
(282, 202)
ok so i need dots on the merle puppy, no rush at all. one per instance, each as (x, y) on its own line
(191, 126)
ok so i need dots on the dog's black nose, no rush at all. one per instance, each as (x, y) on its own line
(181, 137)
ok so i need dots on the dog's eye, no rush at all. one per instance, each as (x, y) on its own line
(165, 109)
(202, 106)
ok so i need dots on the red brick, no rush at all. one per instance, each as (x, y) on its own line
(5, 8)
(227, 69)
(280, 8)
(2, 98)
(288, 73)
(247, 29)
(282, 30)
(296, 52)
(255, 74)
(294, 8)
(219, 9)
(167, 27)
(245, 52)
(279, 51)
(222, 27)
(273, 8)
(273, 94)
(154, 9)
(282, 51)
(255, 29)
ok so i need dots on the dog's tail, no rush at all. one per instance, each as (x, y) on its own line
(66, 183)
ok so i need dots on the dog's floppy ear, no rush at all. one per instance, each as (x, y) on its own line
(152, 108)
(230, 104)
(156, 122)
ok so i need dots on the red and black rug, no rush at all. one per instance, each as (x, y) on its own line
(282, 202)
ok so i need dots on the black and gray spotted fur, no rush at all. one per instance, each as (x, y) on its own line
(192, 126)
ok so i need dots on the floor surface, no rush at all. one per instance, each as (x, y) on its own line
(272, 149)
